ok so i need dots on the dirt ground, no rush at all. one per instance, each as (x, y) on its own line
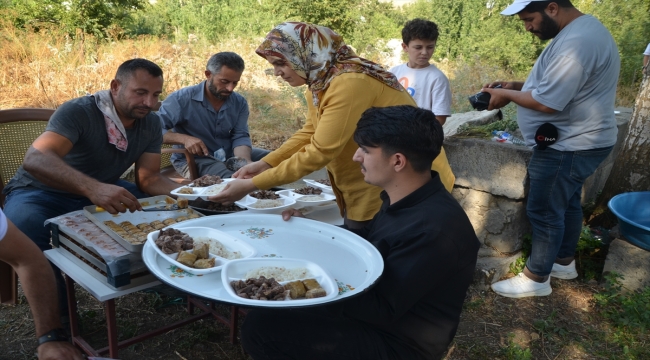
(563, 325)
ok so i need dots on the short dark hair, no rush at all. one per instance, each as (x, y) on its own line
(406, 129)
(126, 70)
(419, 29)
(539, 6)
(227, 58)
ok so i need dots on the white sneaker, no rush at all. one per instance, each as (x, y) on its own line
(565, 272)
(521, 286)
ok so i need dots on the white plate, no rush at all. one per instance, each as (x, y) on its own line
(237, 269)
(353, 263)
(248, 201)
(327, 189)
(199, 192)
(196, 192)
(327, 198)
(231, 243)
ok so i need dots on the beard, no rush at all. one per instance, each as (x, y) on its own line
(130, 112)
(548, 28)
(219, 94)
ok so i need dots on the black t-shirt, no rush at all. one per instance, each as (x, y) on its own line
(81, 122)
(429, 249)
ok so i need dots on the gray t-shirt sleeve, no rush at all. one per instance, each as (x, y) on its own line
(562, 80)
(66, 121)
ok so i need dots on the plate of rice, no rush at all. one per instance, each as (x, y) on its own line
(308, 200)
(222, 247)
(191, 192)
(266, 206)
(287, 272)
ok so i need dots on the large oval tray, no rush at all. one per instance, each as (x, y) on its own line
(353, 263)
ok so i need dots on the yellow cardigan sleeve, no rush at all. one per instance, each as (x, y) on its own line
(341, 106)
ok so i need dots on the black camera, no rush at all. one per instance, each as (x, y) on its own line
(481, 100)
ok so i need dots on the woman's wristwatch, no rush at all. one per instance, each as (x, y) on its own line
(53, 335)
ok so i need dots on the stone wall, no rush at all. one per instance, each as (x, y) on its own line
(492, 186)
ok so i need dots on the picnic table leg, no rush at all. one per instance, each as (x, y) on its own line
(111, 323)
(72, 306)
(234, 317)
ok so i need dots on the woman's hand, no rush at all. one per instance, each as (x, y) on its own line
(235, 190)
(250, 170)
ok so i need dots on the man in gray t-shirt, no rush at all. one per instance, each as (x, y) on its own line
(566, 111)
(88, 143)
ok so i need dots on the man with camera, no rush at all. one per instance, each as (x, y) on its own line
(566, 113)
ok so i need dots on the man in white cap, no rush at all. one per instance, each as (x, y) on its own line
(566, 113)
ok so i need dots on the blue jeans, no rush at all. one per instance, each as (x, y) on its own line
(554, 210)
(28, 208)
(208, 166)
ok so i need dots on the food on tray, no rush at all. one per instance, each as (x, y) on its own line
(214, 189)
(204, 263)
(212, 206)
(128, 231)
(262, 288)
(171, 241)
(296, 289)
(264, 194)
(217, 248)
(169, 221)
(207, 180)
(192, 216)
(266, 204)
(308, 190)
(186, 258)
(182, 203)
(324, 182)
(202, 251)
(157, 224)
(279, 273)
(259, 289)
(186, 190)
(311, 198)
(181, 218)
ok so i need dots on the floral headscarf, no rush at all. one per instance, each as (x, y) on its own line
(318, 54)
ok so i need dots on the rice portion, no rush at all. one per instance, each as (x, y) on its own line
(279, 273)
(215, 189)
(266, 204)
(217, 248)
(311, 198)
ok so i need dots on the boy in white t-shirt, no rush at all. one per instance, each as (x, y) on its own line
(423, 81)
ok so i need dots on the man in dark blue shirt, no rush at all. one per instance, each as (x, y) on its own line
(429, 250)
(210, 119)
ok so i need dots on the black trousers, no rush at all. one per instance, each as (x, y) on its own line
(314, 334)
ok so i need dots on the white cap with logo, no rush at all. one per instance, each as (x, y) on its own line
(517, 6)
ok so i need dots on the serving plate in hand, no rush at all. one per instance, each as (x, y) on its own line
(325, 198)
(249, 203)
(325, 188)
(231, 243)
(237, 269)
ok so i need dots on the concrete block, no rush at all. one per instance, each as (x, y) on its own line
(596, 182)
(491, 268)
(499, 222)
(496, 168)
(631, 262)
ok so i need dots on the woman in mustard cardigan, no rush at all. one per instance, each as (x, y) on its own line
(340, 87)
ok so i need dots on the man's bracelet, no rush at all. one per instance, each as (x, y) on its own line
(53, 335)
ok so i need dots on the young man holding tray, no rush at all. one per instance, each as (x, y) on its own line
(429, 250)
(87, 145)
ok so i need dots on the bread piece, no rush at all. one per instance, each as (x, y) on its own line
(315, 293)
(296, 289)
(311, 284)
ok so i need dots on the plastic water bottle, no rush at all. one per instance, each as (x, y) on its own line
(505, 137)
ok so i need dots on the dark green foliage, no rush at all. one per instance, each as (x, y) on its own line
(472, 31)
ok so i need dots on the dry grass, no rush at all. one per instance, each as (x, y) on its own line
(48, 68)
